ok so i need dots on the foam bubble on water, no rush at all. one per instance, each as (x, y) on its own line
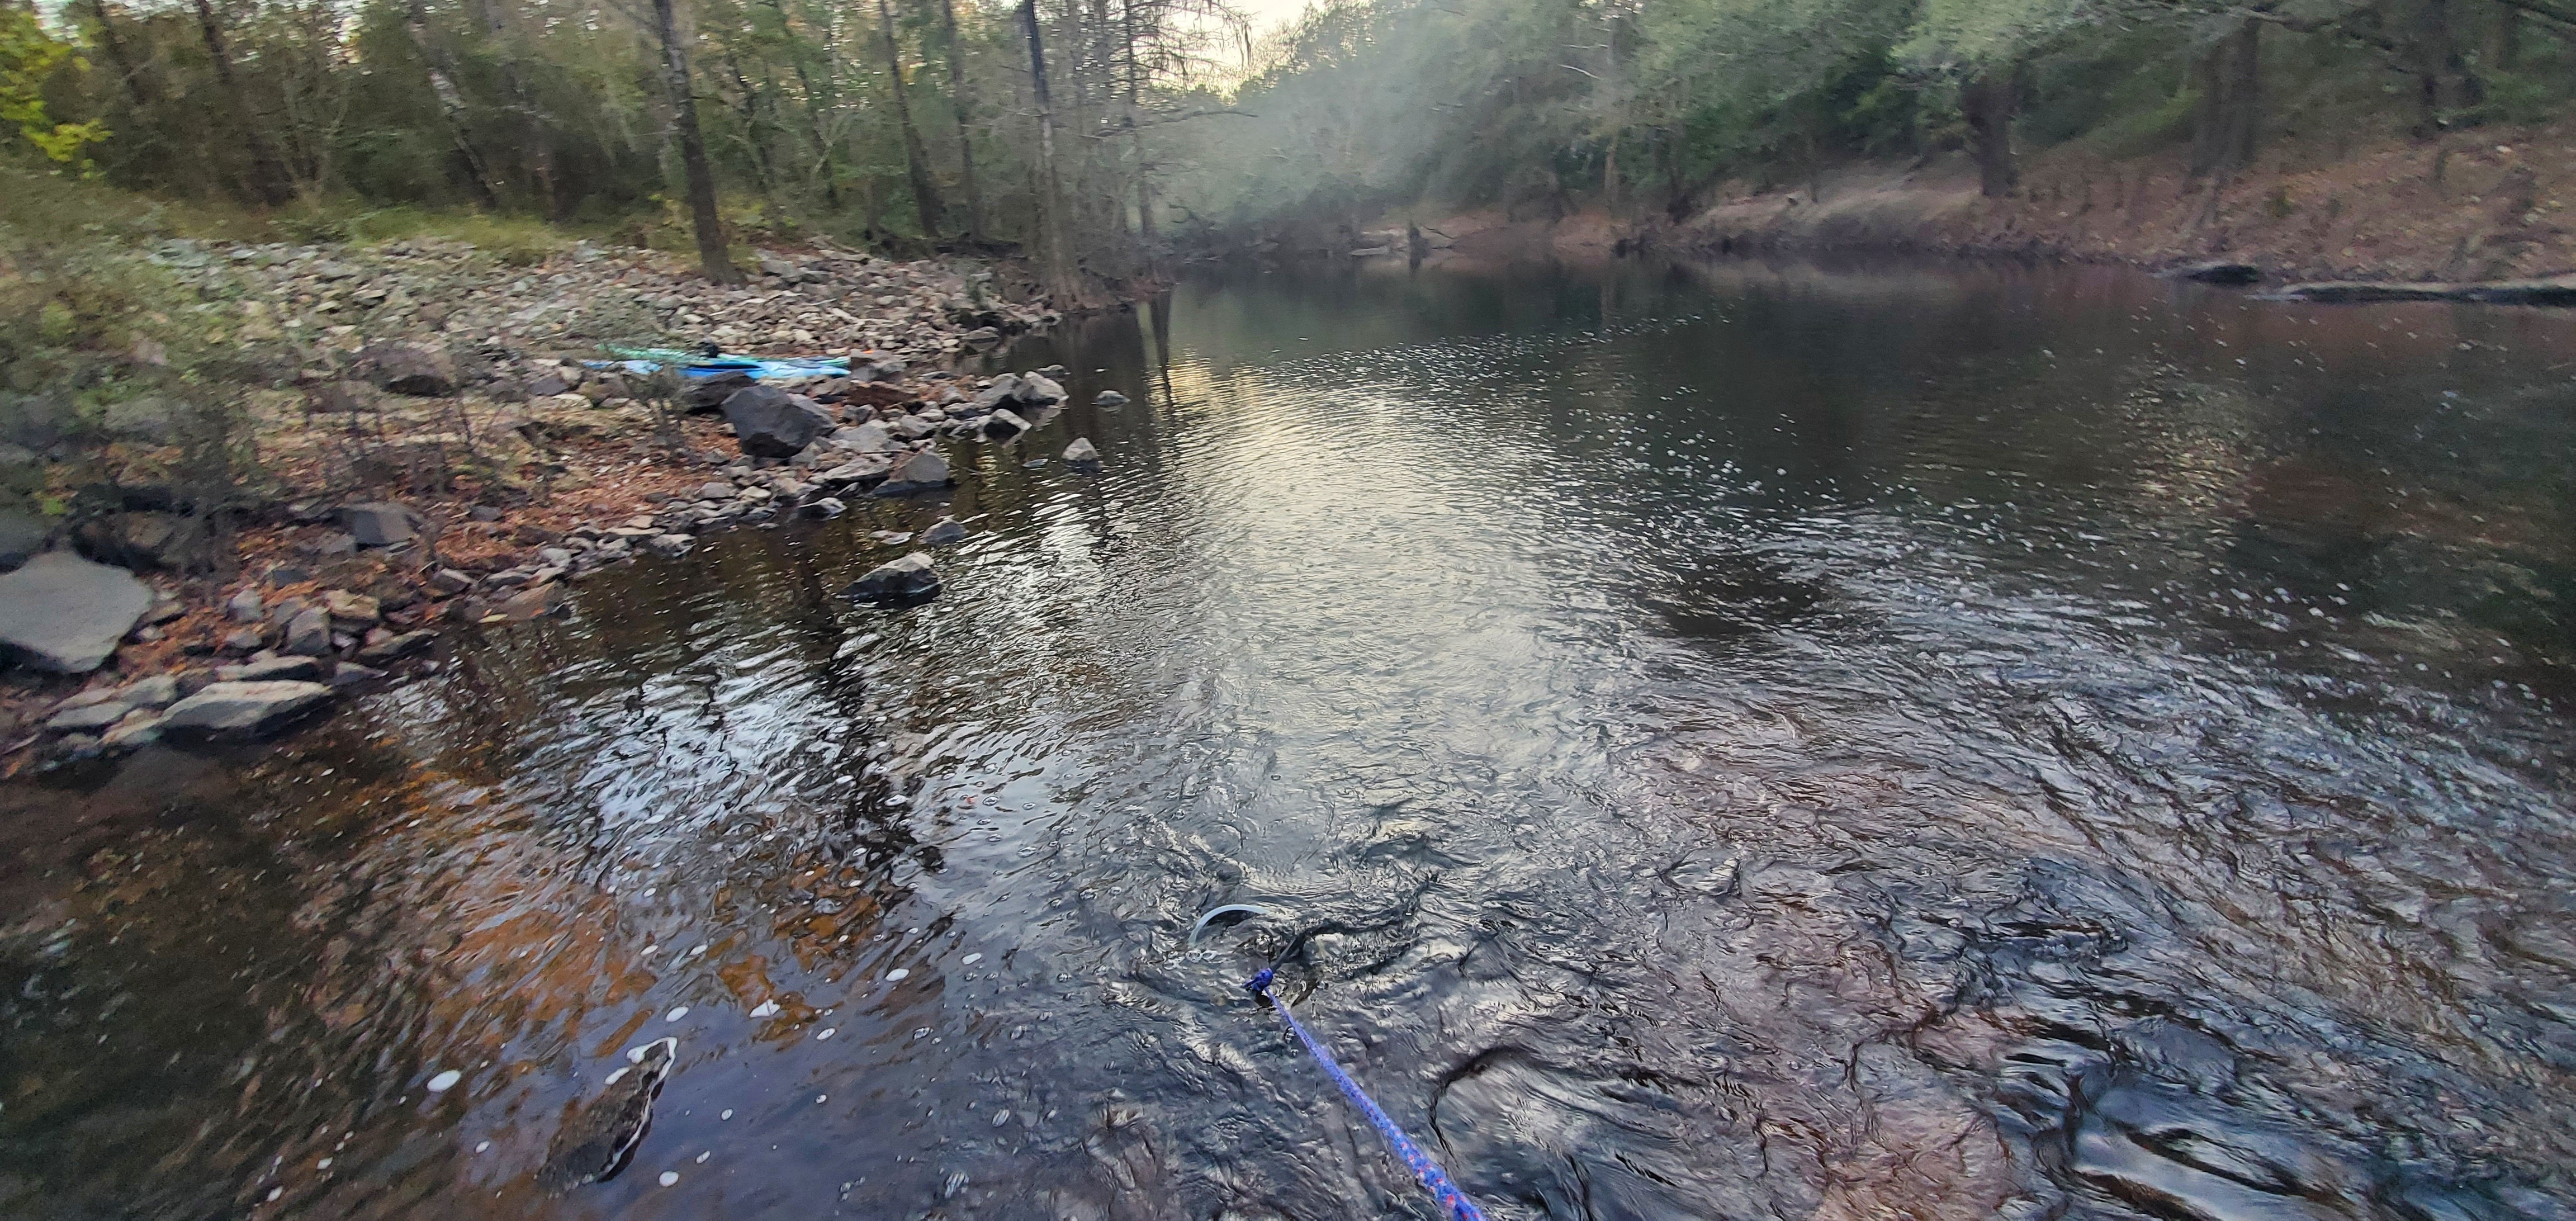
(676, 1014)
(445, 1081)
(972, 959)
(619, 1075)
(670, 1177)
(728, 1113)
(895, 974)
(824, 1033)
(765, 1009)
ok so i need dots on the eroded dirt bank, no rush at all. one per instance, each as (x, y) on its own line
(2489, 204)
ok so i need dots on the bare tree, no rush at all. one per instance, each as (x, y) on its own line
(925, 193)
(703, 217)
(957, 101)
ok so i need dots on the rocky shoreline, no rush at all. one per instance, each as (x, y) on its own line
(455, 452)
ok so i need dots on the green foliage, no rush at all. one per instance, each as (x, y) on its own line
(29, 56)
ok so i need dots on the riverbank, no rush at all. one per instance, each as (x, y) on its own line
(2495, 203)
(452, 448)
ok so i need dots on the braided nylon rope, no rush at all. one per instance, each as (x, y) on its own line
(1459, 1207)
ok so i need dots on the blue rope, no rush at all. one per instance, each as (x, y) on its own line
(1459, 1207)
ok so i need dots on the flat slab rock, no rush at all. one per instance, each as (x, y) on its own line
(243, 709)
(63, 613)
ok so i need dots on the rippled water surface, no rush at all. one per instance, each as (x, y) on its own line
(1736, 741)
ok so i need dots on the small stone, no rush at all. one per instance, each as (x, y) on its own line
(271, 669)
(88, 718)
(945, 530)
(309, 633)
(531, 602)
(244, 607)
(139, 728)
(1108, 398)
(671, 544)
(908, 579)
(450, 581)
(380, 524)
(350, 608)
(1004, 422)
(158, 691)
(922, 472)
(826, 507)
(394, 648)
(1082, 453)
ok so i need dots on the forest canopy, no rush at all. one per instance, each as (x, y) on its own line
(1100, 134)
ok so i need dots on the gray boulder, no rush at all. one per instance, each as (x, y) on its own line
(243, 709)
(378, 524)
(66, 614)
(709, 393)
(1004, 423)
(409, 368)
(1038, 390)
(1082, 453)
(945, 530)
(922, 472)
(906, 579)
(1005, 389)
(771, 423)
(1108, 398)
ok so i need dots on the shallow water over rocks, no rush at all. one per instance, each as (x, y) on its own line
(1739, 741)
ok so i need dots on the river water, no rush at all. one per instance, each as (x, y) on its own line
(1738, 741)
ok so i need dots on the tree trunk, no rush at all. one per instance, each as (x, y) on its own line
(451, 104)
(957, 103)
(1989, 102)
(1146, 238)
(2445, 84)
(2228, 127)
(925, 193)
(703, 217)
(537, 139)
(108, 38)
(268, 174)
(1057, 260)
